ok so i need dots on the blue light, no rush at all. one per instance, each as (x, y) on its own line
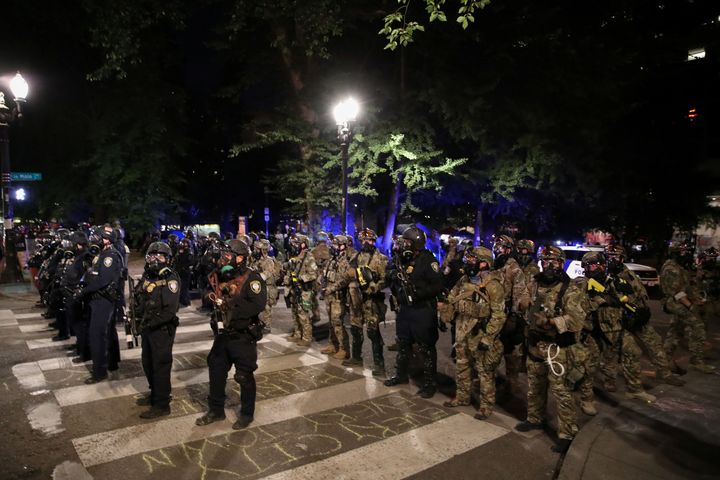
(20, 194)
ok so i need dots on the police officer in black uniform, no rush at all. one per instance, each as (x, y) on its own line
(101, 291)
(70, 281)
(418, 281)
(243, 295)
(157, 297)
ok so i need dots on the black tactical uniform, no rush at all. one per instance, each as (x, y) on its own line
(157, 296)
(102, 293)
(244, 295)
(417, 320)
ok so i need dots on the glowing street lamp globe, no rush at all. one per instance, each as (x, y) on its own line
(19, 87)
(346, 111)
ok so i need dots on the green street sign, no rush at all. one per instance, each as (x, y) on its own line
(25, 176)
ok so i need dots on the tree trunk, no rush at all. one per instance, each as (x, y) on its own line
(478, 226)
(393, 207)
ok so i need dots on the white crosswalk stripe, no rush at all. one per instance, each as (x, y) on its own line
(114, 444)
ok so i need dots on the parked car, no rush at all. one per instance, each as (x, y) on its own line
(574, 253)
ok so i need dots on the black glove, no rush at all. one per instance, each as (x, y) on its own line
(442, 326)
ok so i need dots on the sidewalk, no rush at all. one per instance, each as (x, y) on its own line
(677, 437)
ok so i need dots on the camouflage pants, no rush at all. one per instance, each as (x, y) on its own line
(686, 323)
(539, 377)
(648, 338)
(302, 312)
(266, 315)
(336, 314)
(629, 359)
(367, 315)
(485, 363)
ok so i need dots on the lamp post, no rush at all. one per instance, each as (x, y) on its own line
(345, 112)
(19, 89)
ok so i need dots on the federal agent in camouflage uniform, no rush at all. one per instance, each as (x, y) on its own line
(517, 301)
(269, 269)
(368, 305)
(604, 330)
(336, 279)
(557, 315)
(682, 300)
(299, 281)
(477, 304)
(321, 253)
(525, 256)
(157, 297)
(708, 280)
(639, 325)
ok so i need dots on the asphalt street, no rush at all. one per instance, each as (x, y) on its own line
(314, 419)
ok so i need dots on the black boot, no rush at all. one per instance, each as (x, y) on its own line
(429, 362)
(402, 360)
(377, 350)
(355, 359)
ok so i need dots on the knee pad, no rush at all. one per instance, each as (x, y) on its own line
(244, 378)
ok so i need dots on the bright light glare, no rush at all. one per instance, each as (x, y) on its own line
(20, 194)
(346, 111)
(19, 87)
(696, 54)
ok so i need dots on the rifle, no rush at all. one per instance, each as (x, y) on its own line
(131, 333)
(217, 314)
(615, 301)
(400, 279)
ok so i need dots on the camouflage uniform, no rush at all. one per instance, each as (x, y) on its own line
(602, 336)
(269, 269)
(335, 277)
(708, 281)
(478, 307)
(645, 334)
(372, 306)
(517, 299)
(553, 335)
(300, 277)
(676, 286)
(321, 253)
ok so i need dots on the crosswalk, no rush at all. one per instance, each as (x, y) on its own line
(314, 417)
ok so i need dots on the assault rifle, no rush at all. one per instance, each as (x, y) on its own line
(131, 333)
(218, 316)
(402, 282)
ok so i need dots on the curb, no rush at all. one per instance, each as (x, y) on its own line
(573, 465)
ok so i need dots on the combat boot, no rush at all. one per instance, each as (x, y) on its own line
(209, 418)
(329, 350)
(588, 408)
(610, 386)
(483, 414)
(242, 422)
(702, 367)
(378, 360)
(670, 379)
(341, 354)
(526, 426)
(562, 445)
(155, 412)
(641, 395)
(455, 403)
(303, 343)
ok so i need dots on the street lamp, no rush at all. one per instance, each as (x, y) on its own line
(345, 112)
(19, 89)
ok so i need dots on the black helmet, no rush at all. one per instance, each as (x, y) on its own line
(107, 232)
(159, 248)
(79, 238)
(238, 247)
(172, 238)
(416, 237)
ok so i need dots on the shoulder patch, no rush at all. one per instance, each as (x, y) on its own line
(255, 286)
(435, 266)
(173, 286)
(108, 262)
